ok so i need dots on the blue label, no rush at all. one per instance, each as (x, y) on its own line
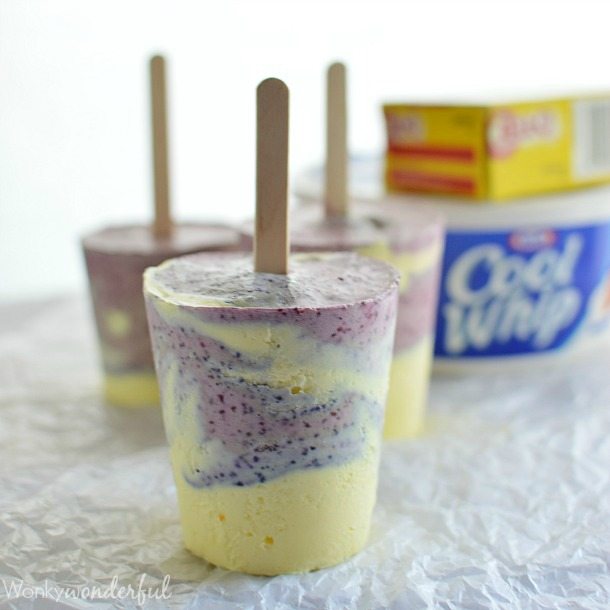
(519, 292)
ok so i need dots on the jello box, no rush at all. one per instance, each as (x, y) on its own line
(498, 151)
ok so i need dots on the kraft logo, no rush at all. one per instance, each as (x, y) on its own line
(508, 131)
(532, 240)
(406, 128)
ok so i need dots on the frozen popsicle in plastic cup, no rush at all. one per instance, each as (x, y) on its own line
(414, 246)
(410, 240)
(273, 376)
(273, 390)
(116, 258)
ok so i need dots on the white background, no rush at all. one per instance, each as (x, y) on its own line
(73, 97)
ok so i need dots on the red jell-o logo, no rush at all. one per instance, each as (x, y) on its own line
(405, 128)
(508, 131)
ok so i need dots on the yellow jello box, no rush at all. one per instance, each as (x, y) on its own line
(498, 151)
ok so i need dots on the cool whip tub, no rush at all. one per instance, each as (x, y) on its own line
(415, 241)
(273, 390)
(526, 281)
(411, 241)
(116, 258)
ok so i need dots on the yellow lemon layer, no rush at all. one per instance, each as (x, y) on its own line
(299, 522)
(117, 323)
(410, 372)
(131, 390)
(408, 391)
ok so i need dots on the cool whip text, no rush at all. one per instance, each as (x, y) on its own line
(496, 296)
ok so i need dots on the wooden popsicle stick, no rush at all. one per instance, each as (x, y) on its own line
(335, 191)
(271, 246)
(162, 224)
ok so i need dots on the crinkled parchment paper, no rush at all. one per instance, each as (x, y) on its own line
(503, 503)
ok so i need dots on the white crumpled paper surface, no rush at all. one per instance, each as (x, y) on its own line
(503, 503)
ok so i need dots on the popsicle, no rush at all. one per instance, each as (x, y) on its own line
(116, 258)
(410, 240)
(273, 373)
